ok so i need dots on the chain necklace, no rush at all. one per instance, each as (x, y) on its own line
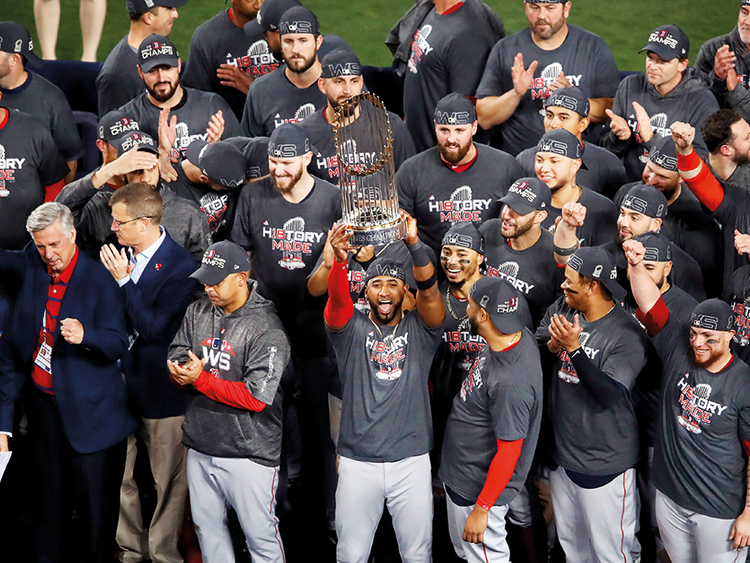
(450, 307)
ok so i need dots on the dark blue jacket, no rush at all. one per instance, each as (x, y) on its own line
(91, 395)
(154, 308)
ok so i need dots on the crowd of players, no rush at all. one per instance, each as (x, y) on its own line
(538, 355)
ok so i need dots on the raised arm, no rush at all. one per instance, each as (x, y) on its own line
(693, 170)
(565, 240)
(494, 110)
(317, 283)
(339, 309)
(430, 305)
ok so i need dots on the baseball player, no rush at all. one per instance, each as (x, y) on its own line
(700, 462)
(386, 431)
(600, 350)
(232, 349)
(493, 427)
(727, 138)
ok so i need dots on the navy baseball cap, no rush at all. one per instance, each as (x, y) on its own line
(144, 141)
(288, 140)
(658, 248)
(570, 98)
(646, 200)
(221, 162)
(500, 301)
(269, 16)
(466, 235)
(385, 267)
(668, 41)
(15, 38)
(114, 125)
(594, 262)
(664, 153)
(157, 50)
(142, 6)
(340, 62)
(562, 142)
(220, 260)
(713, 314)
(455, 109)
(299, 20)
(527, 195)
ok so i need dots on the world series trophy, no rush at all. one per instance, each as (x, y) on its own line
(364, 147)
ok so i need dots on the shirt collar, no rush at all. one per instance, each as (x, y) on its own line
(147, 253)
(64, 277)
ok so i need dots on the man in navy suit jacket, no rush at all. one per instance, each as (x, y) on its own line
(69, 330)
(154, 279)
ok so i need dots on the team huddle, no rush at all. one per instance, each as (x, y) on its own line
(552, 360)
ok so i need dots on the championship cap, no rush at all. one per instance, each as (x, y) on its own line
(713, 314)
(340, 62)
(500, 301)
(455, 109)
(596, 263)
(221, 162)
(157, 50)
(658, 248)
(663, 153)
(570, 98)
(298, 20)
(142, 6)
(527, 195)
(126, 142)
(114, 125)
(269, 15)
(646, 200)
(220, 260)
(562, 142)
(668, 41)
(466, 235)
(15, 38)
(385, 266)
(288, 140)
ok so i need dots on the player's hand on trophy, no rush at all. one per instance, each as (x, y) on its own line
(683, 135)
(341, 235)
(523, 78)
(412, 233)
(618, 125)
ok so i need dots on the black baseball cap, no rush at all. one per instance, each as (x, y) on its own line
(144, 141)
(713, 314)
(455, 109)
(663, 153)
(15, 38)
(114, 125)
(385, 267)
(340, 62)
(269, 16)
(594, 262)
(668, 41)
(646, 200)
(288, 140)
(157, 50)
(562, 142)
(221, 162)
(299, 20)
(466, 235)
(500, 301)
(546, 1)
(570, 97)
(527, 195)
(142, 6)
(220, 260)
(658, 247)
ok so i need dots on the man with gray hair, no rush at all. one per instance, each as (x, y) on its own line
(69, 336)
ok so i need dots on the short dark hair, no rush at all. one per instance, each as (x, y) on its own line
(717, 130)
(141, 200)
(137, 17)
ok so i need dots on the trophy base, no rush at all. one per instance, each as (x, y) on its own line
(378, 236)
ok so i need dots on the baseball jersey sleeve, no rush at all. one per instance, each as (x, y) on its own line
(625, 360)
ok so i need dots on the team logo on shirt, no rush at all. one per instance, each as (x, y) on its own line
(355, 159)
(461, 207)
(293, 242)
(218, 353)
(214, 205)
(567, 371)
(303, 112)
(388, 355)
(461, 341)
(258, 60)
(697, 409)
(183, 138)
(509, 271)
(540, 86)
(473, 380)
(741, 308)
(8, 167)
(419, 47)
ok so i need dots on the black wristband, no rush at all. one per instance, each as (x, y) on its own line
(419, 256)
(565, 251)
(428, 283)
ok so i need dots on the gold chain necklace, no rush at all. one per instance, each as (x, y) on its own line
(450, 307)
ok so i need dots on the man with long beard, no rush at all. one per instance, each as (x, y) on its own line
(457, 181)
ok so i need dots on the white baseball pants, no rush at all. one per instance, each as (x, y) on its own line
(493, 549)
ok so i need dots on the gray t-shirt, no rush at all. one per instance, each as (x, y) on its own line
(218, 41)
(45, 101)
(118, 81)
(438, 197)
(500, 399)
(584, 58)
(384, 370)
(193, 114)
(447, 55)
(589, 439)
(273, 100)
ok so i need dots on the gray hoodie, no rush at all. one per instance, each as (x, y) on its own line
(247, 345)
